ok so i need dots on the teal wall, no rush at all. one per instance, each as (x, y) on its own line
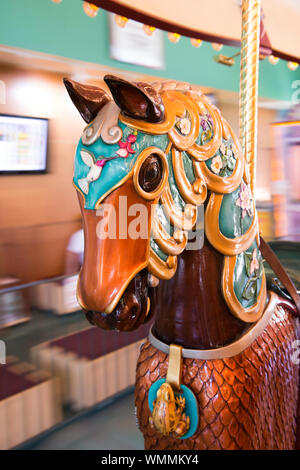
(65, 30)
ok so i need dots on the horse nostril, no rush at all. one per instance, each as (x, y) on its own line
(131, 310)
(135, 309)
(130, 307)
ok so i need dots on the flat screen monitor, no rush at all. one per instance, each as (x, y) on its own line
(23, 144)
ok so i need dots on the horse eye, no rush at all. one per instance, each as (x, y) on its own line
(151, 173)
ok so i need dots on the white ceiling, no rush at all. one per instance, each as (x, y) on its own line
(222, 18)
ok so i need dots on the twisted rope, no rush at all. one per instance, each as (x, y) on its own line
(249, 83)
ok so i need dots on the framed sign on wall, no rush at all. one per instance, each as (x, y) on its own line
(23, 144)
(132, 45)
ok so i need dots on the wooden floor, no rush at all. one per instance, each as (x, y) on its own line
(112, 428)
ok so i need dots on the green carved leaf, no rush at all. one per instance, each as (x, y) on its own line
(250, 289)
(206, 136)
(224, 160)
(231, 163)
(248, 257)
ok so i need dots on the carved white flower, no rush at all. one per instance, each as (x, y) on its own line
(217, 164)
(202, 109)
(184, 126)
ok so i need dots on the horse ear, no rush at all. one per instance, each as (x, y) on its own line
(88, 99)
(136, 100)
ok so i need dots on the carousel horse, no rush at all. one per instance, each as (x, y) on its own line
(217, 371)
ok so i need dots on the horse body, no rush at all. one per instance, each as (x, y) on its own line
(246, 401)
(167, 149)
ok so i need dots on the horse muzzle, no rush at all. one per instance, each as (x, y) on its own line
(114, 256)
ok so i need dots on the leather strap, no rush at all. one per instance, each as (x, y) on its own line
(280, 272)
(230, 350)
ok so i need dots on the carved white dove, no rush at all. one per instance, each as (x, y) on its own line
(94, 173)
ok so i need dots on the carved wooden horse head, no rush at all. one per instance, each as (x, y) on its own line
(166, 148)
(162, 151)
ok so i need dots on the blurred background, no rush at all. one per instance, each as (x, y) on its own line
(64, 384)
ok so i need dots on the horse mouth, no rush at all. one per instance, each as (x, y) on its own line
(131, 310)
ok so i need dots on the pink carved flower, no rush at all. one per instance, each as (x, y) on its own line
(131, 138)
(245, 200)
(203, 123)
(206, 121)
(217, 164)
(254, 265)
(209, 119)
(125, 147)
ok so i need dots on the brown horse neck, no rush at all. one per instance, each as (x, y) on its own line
(190, 309)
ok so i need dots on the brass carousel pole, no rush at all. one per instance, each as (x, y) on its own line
(249, 83)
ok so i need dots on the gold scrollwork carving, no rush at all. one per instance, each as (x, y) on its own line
(181, 104)
(219, 184)
(192, 193)
(200, 153)
(226, 130)
(170, 245)
(160, 268)
(250, 314)
(225, 245)
(182, 220)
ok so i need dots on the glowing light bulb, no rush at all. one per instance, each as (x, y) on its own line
(149, 30)
(292, 65)
(174, 37)
(273, 60)
(121, 20)
(216, 46)
(90, 10)
(196, 42)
